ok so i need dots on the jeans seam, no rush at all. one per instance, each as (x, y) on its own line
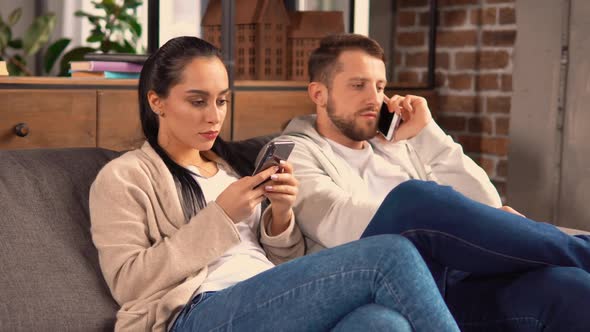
(308, 283)
(475, 246)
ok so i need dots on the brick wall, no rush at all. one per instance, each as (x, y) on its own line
(474, 48)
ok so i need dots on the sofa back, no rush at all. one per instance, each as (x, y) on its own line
(50, 279)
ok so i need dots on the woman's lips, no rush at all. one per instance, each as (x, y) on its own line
(210, 135)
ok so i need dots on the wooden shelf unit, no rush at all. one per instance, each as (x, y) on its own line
(93, 112)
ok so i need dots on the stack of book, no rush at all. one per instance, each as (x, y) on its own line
(3, 69)
(108, 66)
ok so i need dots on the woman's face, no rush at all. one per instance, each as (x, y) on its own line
(195, 108)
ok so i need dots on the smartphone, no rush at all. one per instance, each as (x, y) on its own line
(388, 122)
(273, 153)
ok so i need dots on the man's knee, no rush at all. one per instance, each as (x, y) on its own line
(564, 295)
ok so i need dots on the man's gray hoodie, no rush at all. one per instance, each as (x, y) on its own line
(334, 205)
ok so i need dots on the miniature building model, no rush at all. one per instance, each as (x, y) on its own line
(268, 46)
(305, 32)
(261, 37)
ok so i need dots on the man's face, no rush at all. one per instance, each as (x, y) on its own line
(355, 94)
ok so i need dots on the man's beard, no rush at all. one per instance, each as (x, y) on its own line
(348, 126)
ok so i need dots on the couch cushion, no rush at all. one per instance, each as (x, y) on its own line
(49, 274)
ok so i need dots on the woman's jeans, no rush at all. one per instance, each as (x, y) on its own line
(379, 284)
(496, 271)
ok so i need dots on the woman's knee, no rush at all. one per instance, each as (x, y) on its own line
(373, 317)
(391, 246)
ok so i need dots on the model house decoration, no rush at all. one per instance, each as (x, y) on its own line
(305, 31)
(271, 43)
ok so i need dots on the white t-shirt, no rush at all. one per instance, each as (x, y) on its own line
(380, 175)
(244, 260)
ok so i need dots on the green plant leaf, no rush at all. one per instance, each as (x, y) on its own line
(13, 69)
(94, 38)
(131, 24)
(54, 51)
(38, 33)
(5, 36)
(75, 54)
(110, 7)
(16, 44)
(15, 16)
(131, 4)
(81, 13)
(129, 48)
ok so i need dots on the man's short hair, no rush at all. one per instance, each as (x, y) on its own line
(322, 65)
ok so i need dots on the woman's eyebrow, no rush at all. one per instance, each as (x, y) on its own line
(203, 92)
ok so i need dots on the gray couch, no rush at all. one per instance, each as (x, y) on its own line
(49, 274)
(50, 279)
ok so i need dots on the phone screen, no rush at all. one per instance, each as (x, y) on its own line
(388, 122)
(273, 154)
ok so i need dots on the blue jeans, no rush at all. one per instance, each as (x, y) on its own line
(496, 271)
(381, 283)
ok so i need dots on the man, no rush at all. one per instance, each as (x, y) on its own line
(521, 275)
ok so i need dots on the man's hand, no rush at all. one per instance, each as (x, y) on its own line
(414, 112)
(511, 210)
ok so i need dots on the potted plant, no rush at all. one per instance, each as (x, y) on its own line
(14, 50)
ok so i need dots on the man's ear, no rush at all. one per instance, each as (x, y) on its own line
(155, 101)
(318, 92)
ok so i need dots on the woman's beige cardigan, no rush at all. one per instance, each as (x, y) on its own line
(151, 258)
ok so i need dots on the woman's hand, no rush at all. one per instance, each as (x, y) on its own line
(414, 112)
(240, 199)
(281, 191)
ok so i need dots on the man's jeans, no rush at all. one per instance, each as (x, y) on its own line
(496, 271)
(379, 284)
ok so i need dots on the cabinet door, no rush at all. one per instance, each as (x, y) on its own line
(48, 118)
(258, 113)
(119, 127)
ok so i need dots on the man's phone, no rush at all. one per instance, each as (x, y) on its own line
(273, 153)
(388, 122)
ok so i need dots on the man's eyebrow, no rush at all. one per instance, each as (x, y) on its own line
(362, 79)
(358, 78)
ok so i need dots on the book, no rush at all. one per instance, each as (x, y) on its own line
(104, 74)
(3, 68)
(117, 66)
(123, 57)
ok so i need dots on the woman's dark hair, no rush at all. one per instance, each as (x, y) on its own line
(162, 71)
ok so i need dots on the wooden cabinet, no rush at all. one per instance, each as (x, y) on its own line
(118, 125)
(47, 119)
(82, 112)
(63, 112)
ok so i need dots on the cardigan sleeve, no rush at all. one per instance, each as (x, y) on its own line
(135, 263)
(282, 247)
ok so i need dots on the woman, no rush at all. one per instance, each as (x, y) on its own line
(184, 246)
